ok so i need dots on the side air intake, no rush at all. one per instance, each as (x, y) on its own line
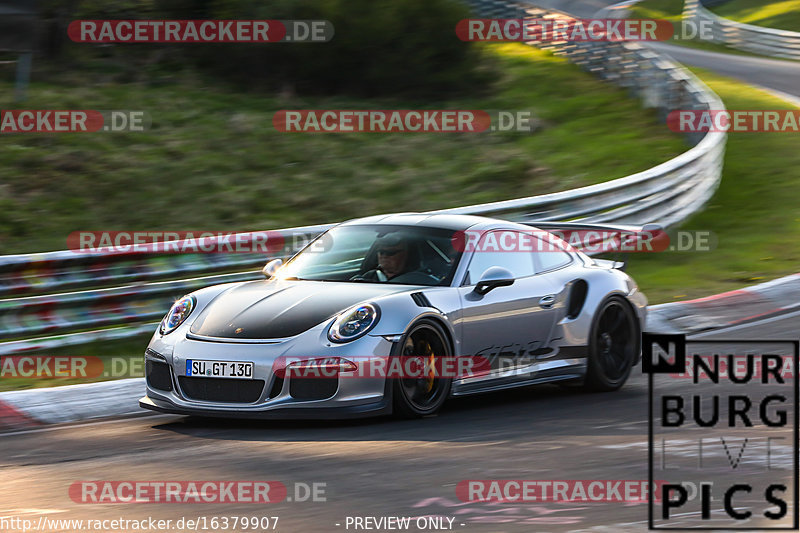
(577, 297)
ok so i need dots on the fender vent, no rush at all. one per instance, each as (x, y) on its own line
(420, 299)
(577, 297)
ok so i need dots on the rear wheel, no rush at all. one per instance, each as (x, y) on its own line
(425, 391)
(614, 344)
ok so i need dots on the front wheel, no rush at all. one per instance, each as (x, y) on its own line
(614, 344)
(424, 392)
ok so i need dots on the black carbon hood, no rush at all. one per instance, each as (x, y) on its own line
(270, 310)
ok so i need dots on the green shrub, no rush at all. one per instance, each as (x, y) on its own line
(380, 47)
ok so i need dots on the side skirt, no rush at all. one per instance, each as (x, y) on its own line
(522, 376)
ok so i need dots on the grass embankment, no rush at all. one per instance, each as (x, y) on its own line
(670, 10)
(781, 15)
(214, 161)
(754, 214)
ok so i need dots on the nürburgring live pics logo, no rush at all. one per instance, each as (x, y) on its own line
(723, 433)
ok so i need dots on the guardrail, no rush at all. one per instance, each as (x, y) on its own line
(756, 39)
(41, 307)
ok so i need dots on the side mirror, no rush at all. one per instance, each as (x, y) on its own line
(271, 267)
(494, 277)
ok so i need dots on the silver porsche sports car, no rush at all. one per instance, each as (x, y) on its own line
(395, 314)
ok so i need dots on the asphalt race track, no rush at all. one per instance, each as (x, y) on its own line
(775, 74)
(369, 468)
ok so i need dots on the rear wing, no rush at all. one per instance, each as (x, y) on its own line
(617, 239)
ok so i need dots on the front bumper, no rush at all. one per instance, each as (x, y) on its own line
(381, 407)
(275, 396)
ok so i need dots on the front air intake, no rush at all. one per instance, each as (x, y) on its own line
(221, 390)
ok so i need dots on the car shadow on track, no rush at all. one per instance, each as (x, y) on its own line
(536, 409)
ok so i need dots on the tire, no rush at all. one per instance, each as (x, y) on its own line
(614, 344)
(418, 397)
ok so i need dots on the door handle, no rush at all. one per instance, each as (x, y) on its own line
(547, 301)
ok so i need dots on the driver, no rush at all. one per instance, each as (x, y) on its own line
(393, 258)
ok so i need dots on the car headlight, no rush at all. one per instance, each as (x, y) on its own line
(179, 311)
(354, 322)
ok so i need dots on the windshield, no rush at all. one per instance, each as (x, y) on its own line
(408, 255)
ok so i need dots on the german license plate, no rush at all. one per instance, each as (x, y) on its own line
(219, 369)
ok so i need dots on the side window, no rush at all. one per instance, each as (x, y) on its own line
(496, 248)
(548, 258)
